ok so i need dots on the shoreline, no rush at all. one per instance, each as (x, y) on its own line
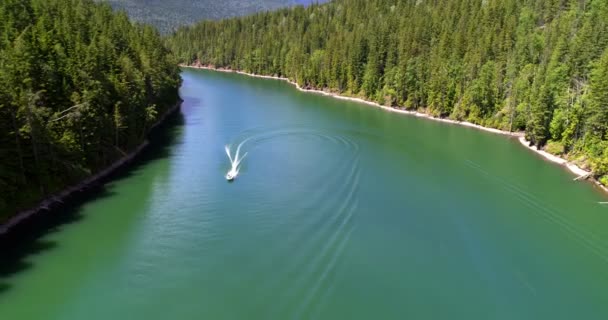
(61, 198)
(578, 171)
(359, 100)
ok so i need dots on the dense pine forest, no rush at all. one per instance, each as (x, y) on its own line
(538, 66)
(166, 15)
(80, 86)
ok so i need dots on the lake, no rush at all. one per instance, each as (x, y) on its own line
(340, 211)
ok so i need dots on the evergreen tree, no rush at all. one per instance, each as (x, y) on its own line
(80, 86)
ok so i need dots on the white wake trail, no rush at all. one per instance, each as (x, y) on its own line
(237, 161)
(227, 148)
(234, 162)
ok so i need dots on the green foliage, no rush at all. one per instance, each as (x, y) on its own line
(539, 66)
(168, 15)
(78, 83)
(554, 147)
(598, 102)
(603, 180)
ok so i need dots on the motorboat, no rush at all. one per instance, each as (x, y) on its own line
(234, 163)
(231, 175)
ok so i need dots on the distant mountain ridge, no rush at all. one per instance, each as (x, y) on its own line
(170, 14)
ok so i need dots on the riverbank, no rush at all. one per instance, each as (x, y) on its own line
(59, 200)
(371, 103)
(578, 171)
(581, 173)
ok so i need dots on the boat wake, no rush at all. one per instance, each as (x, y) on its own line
(234, 162)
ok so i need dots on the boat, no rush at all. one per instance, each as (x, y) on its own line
(231, 175)
(234, 169)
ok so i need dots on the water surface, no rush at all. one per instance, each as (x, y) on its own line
(341, 211)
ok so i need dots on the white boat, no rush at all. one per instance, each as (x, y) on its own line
(231, 175)
(234, 169)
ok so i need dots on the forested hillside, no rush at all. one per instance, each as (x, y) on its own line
(539, 66)
(167, 15)
(79, 87)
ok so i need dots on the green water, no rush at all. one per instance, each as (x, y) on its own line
(341, 211)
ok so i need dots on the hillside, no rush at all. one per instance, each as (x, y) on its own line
(539, 66)
(167, 15)
(80, 86)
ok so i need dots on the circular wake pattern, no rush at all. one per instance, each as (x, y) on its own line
(325, 226)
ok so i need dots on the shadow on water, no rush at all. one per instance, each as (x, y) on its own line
(31, 238)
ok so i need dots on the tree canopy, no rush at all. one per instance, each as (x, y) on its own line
(170, 14)
(80, 86)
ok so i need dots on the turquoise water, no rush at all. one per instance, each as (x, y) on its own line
(341, 211)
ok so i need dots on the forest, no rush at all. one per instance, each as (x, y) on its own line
(167, 15)
(80, 86)
(535, 66)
